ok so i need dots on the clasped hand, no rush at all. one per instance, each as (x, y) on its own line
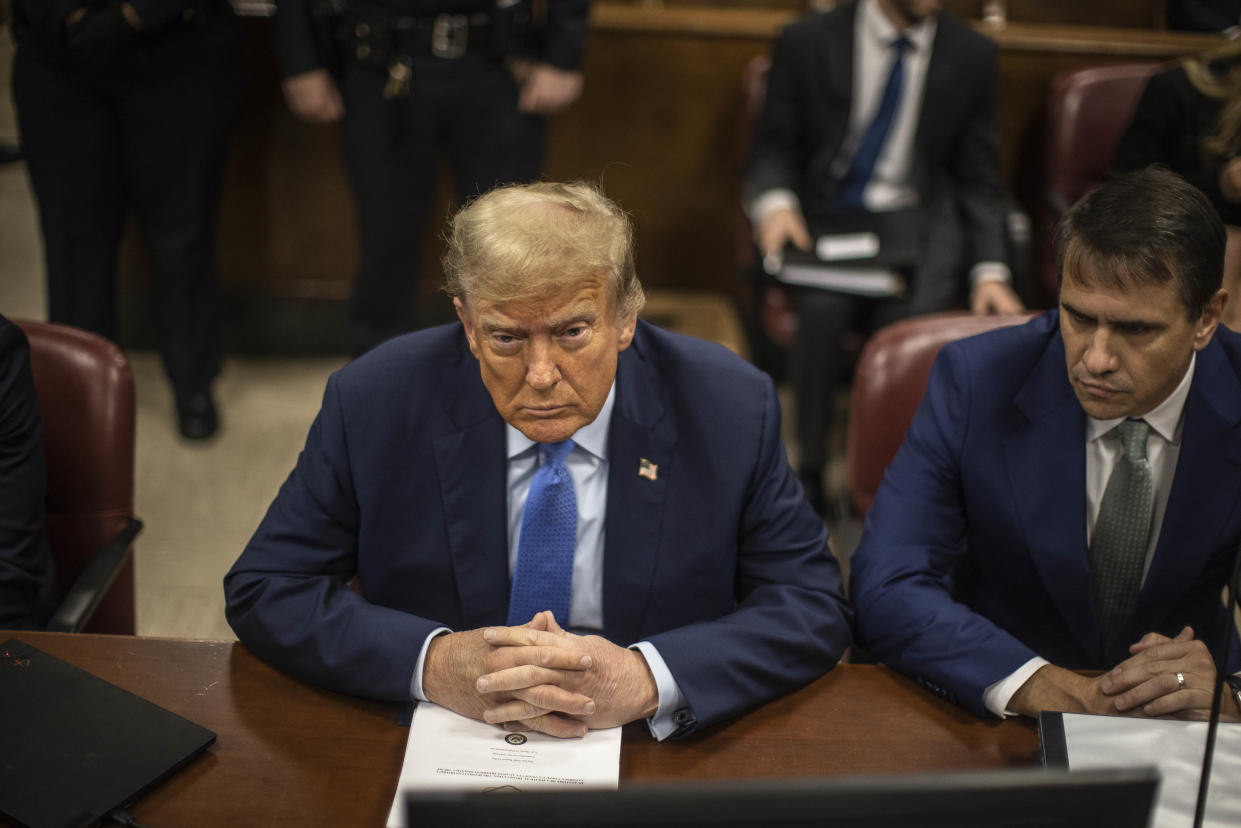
(1146, 684)
(539, 677)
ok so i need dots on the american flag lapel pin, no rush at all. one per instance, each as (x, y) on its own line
(647, 469)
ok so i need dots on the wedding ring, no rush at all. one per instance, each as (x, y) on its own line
(1180, 680)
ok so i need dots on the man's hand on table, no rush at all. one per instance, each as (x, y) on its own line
(455, 662)
(1054, 688)
(1143, 685)
(1146, 683)
(531, 694)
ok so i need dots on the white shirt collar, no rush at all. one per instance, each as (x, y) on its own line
(1163, 418)
(876, 26)
(593, 437)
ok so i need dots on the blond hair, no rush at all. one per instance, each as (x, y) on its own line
(518, 241)
(1217, 74)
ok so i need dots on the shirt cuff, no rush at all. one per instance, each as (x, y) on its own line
(666, 720)
(415, 684)
(770, 201)
(990, 272)
(997, 696)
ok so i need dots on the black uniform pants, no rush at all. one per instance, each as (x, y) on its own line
(466, 106)
(148, 132)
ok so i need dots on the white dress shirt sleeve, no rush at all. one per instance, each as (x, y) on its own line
(997, 696)
(415, 684)
(663, 724)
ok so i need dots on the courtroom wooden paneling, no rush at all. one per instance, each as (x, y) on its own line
(1126, 14)
(657, 125)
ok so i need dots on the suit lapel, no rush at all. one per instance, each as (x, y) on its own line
(1046, 461)
(641, 429)
(1204, 489)
(471, 467)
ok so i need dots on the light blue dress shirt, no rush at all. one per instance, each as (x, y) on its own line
(587, 465)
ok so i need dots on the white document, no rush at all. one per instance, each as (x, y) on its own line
(838, 246)
(861, 281)
(1176, 748)
(449, 752)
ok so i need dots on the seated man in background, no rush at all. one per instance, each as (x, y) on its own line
(27, 577)
(878, 107)
(550, 462)
(1068, 496)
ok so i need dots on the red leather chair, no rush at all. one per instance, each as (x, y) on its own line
(1087, 113)
(86, 395)
(888, 384)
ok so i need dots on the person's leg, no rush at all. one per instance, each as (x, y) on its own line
(71, 139)
(818, 361)
(389, 152)
(490, 142)
(178, 126)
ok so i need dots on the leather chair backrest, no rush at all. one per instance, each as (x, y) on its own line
(1088, 111)
(888, 385)
(86, 396)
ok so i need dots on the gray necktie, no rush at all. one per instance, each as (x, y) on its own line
(1122, 531)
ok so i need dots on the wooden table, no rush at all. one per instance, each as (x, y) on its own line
(292, 754)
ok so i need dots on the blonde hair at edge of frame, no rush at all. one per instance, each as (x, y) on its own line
(518, 241)
(1217, 74)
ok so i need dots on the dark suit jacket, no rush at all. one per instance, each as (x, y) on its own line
(956, 165)
(974, 556)
(27, 576)
(718, 562)
(1169, 124)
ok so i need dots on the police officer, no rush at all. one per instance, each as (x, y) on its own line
(406, 77)
(130, 105)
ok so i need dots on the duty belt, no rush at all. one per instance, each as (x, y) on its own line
(389, 42)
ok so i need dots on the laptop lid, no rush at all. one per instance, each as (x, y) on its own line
(74, 747)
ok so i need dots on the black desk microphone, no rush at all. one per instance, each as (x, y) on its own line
(1220, 655)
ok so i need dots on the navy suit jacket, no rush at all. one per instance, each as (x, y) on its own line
(28, 593)
(718, 561)
(974, 555)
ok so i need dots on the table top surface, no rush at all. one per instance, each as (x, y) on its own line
(291, 753)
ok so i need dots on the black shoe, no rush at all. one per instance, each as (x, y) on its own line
(196, 415)
(10, 153)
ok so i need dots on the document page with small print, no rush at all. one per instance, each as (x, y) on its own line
(449, 752)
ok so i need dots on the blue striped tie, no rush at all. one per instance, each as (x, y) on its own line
(863, 164)
(543, 578)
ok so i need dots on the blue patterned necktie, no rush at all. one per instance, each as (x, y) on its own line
(863, 164)
(544, 574)
(1122, 531)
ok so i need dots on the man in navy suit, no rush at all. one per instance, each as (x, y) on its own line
(1069, 494)
(383, 567)
(27, 573)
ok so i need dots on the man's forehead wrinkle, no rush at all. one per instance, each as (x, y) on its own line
(552, 318)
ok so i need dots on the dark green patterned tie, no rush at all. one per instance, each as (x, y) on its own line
(1122, 531)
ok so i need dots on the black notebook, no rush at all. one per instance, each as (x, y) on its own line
(73, 746)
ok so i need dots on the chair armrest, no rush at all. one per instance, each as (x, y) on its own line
(79, 603)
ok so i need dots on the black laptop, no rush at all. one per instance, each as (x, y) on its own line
(74, 747)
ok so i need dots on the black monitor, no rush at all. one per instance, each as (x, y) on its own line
(1034, 798)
